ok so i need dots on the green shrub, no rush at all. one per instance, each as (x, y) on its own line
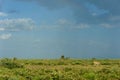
(105, 70)
(9, 63)
(90, 76)
(67, 69)
(61, 63)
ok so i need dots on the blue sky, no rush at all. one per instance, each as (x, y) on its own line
(51, 28)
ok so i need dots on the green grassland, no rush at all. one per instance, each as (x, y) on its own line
(59, 69)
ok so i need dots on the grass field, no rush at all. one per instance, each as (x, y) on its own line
(59, 69)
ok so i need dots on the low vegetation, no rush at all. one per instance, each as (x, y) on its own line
(59, 69)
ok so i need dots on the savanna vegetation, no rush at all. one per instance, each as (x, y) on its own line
(59, 69)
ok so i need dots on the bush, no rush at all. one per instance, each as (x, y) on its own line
(9, 63)
(90, 76)
(62, 57)
(66, 69)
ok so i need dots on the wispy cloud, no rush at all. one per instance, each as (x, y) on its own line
(72, 24)
(17, 24)
(82, 26)
(2, 14)
(106, 25)
(115, 18)
(94, 10)
(2, 29)
(94, 43)
(110, 25)
(86, 11)
(65, 24)
(5, 36)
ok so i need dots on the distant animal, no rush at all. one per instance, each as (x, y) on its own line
(96, 63)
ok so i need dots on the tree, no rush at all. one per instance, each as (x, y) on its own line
(62, 57)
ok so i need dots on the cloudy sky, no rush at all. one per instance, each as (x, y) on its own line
(51, 28)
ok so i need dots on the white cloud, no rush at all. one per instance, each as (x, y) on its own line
(106, 25)
(72, 24)
(65, 24)
(5, 36)
(82, 26)
(110, 25)
(94, 43)
(3, 14)
(2, 29)
(115, 18)
(17, 24)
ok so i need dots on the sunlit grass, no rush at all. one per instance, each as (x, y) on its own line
(59, 69)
